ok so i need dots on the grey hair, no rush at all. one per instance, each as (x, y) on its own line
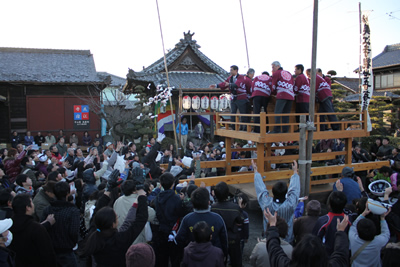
(276, 63)
(251, 71)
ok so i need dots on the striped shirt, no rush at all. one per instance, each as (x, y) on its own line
(285, 209)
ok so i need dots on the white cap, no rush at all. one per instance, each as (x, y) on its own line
(42, 158)
(221, 143)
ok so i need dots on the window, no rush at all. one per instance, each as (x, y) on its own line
(396, 80)
(384, 82)
(390, 80)
(378, 81)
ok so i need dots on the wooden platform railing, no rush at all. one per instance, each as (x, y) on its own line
(286, 174)
(343, 124)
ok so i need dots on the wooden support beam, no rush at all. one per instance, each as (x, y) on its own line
(268, 153)
(260, 157)
(228, 147)
(348, 150)
(302, 154)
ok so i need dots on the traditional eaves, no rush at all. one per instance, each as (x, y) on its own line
(389, 57)
(115, 81)
(28, 65)
(351, 84)
(356, 97)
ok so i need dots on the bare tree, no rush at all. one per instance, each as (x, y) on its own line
(126, 119)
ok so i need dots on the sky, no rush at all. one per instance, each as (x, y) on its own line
(125, 34)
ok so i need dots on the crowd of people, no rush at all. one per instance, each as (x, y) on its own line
(117, 206)
(285, 87)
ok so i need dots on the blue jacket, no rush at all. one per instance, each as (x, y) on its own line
(184, 129)
(29, 140)
(214, 220)
(350, 189)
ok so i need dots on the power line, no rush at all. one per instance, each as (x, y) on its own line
(391, 16)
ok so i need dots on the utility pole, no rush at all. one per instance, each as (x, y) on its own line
(310, 123)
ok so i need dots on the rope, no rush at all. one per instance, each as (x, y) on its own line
(166, 73)
(244, 32)
(162, 41)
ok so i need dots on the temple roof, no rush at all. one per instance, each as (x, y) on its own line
(188, 67)
(28, 65)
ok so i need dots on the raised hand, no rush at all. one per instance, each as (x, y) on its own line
(341, 225)
(294, 166)
(339, 185)
(271, 218)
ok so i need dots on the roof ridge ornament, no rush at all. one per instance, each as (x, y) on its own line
(188, 36)
(188, 40)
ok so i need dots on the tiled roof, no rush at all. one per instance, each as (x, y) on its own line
(185, 79)
(351, 84)
(355, 97)
(389, 57)
(129, 104)
(116, 81)
(47, 66)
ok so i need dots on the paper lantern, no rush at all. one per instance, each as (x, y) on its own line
(205, 102)
(187, 102)
(195, 102)
(223, 102)
(214, 103)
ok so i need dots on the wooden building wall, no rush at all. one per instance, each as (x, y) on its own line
(43, 108)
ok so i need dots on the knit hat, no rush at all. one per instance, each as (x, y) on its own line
(5, 225)
(140, 255)
(313, 208)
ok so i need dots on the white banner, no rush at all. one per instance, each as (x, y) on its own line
(367, 79)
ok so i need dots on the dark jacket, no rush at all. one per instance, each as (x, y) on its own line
(31, 242)
(13, 166)
(41, 201)
(232, 216)
(325, 229)
(64, 233)
(116, 245)
(6, 213)
(149, 161)
(28, 170)
(339, 258)
(168, 210)
(302, 226)
(39, 140)
(202, 254)
(215, 221)
(62, 148)
(7, 257)
(15, 140)
(87, 140)
(90, 184)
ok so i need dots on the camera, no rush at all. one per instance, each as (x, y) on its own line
(233, 89)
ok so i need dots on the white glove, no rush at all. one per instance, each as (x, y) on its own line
(160, 137)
